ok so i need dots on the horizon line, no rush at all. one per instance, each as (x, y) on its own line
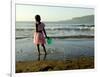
(57, 20)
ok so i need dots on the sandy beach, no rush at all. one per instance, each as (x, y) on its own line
(55, 65)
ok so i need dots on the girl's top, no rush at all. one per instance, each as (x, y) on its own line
(40, 27)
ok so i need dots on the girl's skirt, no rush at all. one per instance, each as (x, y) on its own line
(39, 38)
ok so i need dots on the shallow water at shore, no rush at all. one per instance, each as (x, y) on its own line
(60, 49)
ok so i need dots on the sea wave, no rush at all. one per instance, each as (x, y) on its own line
(58, 28)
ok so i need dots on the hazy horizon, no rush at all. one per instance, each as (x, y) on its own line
(50, 13)
(55, 21)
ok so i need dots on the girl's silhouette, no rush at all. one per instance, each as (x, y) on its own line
(40, 34)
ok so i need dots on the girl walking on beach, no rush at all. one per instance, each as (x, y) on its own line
(40, 34)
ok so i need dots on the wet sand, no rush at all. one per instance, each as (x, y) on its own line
(62, 54)
(60, 49)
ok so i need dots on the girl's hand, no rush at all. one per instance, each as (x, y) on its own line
(47, 37)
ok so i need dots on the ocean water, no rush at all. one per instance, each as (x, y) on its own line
(61, 48)
(26, 29)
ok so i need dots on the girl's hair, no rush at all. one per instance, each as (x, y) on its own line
(37, 18)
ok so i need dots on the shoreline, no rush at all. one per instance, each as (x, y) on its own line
(55, 65)
(61, 37)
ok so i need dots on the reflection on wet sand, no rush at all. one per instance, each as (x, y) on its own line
(39, 57)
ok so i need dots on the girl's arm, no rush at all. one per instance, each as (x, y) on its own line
(45, 33)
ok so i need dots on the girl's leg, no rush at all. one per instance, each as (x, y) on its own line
(38, 49)
(44, 48)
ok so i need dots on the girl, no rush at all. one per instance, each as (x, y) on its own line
(40, 34)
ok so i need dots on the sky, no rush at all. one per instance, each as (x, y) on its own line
(50, 13)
